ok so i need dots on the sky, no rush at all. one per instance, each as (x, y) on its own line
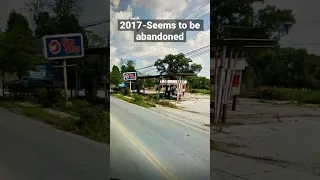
(146, 53)
(90, 12)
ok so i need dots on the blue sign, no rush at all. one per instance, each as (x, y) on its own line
(130, 76)
(63, 46)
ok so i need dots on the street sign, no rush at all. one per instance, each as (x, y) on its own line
(63, 46)
(130, 76)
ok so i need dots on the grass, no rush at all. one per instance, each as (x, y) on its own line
(199, 91)
(66, 124)
(83, 123)
(300, 96)
(144, 101)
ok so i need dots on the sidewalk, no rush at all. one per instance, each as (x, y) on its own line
(230, 167)
(193, 119)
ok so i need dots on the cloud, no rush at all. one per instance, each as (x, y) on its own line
(161, 10)
(146, 53)
(115, 3)
(202, 38)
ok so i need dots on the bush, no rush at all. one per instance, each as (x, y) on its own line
(125, 91)
(41, 96)
(48, 97)
(91, 120)
(137, 99)
(288, 94)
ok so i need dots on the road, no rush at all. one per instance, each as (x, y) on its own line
(147, 145)
(30, 150)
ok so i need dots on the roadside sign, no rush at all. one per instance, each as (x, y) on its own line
(63, 46)
(130, 76)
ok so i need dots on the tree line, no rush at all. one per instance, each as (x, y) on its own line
(280, 66)
(20, 53)
(170, 64)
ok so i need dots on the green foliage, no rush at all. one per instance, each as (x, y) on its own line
(115, 76)
(172, 64)
(49, 97)
(125, 91)
(95, 40)
(200, 91)
(285, 67)
(17, 21)
(91, 120)
(276, 21)
(288, 94)
(238, 19)
(19, 57)
(127, 65)
(198, 83)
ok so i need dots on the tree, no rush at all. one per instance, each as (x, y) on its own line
(19, 46)
(235, 19)
(198, 83)
(95, 40)
(127, 65)
(172, 64)
(276, 21)
(115, 76)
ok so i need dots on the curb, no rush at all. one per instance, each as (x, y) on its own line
(10, 109)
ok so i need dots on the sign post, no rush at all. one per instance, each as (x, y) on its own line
(130, 76)
(65, 79)
(63, 46)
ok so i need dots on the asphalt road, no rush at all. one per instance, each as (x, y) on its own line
(147, 145)
(30, 150)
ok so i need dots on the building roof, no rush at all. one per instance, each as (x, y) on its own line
(173, 76)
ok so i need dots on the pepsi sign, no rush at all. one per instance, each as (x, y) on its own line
(63, 46)
(130, 76)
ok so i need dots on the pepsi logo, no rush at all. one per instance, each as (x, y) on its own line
(54, 46)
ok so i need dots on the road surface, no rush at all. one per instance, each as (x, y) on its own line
(147, 145)
(30, 150)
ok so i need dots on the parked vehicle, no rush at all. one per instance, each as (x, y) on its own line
(29, 85)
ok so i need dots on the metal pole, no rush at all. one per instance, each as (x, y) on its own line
(107, 90)
(232, 76)
(77, 82)
(130, 86)
(221, 73)
(225, 90)
(65, 79)
(216, 84)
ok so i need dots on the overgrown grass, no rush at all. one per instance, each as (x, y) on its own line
(199, 91)
(144, 100)
(86, 120)
(75, 125)
(300, 96)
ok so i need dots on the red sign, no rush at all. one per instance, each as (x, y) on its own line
(235, 82)
(54, 47)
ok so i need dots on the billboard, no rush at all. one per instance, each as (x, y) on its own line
(63, 46)
(130, 76)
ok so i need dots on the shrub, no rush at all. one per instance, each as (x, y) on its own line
(91, 120)
(125, 91)
(48, 97)
(288, 94)
(41, 96)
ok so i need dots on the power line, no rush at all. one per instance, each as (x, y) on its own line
(176, 30)
(186, 54)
